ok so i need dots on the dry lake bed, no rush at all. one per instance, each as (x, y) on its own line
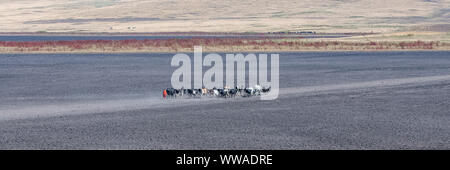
(328, 100)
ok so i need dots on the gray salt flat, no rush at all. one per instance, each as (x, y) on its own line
(328, 100)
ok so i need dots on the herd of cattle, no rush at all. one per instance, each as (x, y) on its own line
(225, 92)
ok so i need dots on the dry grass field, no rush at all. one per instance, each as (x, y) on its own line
(220, 16)
(385, 24)
(214, 45)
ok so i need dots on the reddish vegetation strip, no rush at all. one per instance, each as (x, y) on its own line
(210, 44)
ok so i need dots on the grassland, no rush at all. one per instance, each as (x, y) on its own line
(381, 16)
(386, 24)
(218, 45)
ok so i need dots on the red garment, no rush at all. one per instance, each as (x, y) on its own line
(164, 93)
